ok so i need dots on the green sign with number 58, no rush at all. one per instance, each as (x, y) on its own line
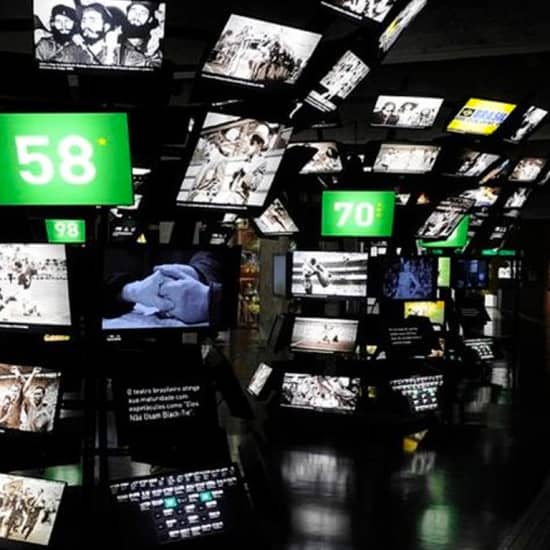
(65, 159)
(357, 213)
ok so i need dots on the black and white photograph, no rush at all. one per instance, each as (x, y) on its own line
(147, 288)
(320, 274)
(306, 391)
(34, 286)
(518, 198)
(257, 53)
(377, 10)
(528, 124)
(445, 218)
(527, 169)
(104, 34)
(405, 111)
(399, 24)
(28, 508)
(259, 379)
(409, 278)
(234, 163)
(326, 158)
(472, 164)
(324, 335)
(406, 159)
(338, 83)
(483, 348)
(497, 172)
(276, 220)
(483, 196)
(28, 398)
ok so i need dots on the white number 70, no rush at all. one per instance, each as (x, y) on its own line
(363, 213)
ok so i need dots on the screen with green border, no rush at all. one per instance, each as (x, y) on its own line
(66, 231)
(444, 272)
(457, 239)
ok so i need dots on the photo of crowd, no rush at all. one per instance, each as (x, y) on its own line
(527, 169)
(326, 159)
(234, 163)
(329, 274)
(399, 24)
(323, 335)
(106, 34)
(445, 218)
(362, 9)
(276, 220)
(529, 121)
(406, 159)
(34, 286)
(338, 83)
(405, 112)
(256, 53)
(28, 398)
(409, 279)
(472, 164)
(306, 391)
(28, 508)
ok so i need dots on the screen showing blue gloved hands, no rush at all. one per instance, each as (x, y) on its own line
(146, 292)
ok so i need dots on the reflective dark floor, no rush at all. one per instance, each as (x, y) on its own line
(464, 488)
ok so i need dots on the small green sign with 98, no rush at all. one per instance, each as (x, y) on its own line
(357, 213)
(65, 159)
(66, 231)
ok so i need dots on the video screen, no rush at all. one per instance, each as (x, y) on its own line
(159, 288)
(338, 83)
(259, 379)
(35, 286)
(258, 53)
(280, 275)
(484, 196)
(321, 274)
(445, 218)
(434, 311)
(483, 347)
(443, 272)
(405, 112)
(326, 160)
(276, 220)
(527, 170)
(472, 164)
(470, 274)
(457, 239)
(406, 159)
(28, 398)
(234, 163)
(402, 199)
(324, 335)
(421, 391)
(529, 122)
(377, 10)
(480, 117)
(409, 278)
(103, 34)
(320, 393)
(399, 24)
(29, 508)
(518, 198)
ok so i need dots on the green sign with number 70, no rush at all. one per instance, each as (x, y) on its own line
(357, 213)
(65, 159)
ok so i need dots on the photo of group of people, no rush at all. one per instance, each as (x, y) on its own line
(527, 169)
(108, 34)
(255, 52)
(276, 220)
(234, 163)
(445, 218)
(306, 391)
(324, 335)
(362, 9)
(529, 122)
(338, 83)
(472, 164)
(405, 112)
(329, 274)
(28, 508)
(34, 286)
(409, 279)
(28, 398)
(399, 24)
(326, 158)
(406, 159)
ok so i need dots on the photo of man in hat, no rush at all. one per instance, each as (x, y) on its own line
(63, 26)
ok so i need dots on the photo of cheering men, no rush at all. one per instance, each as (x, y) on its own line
(257, 52)
(121, 34)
